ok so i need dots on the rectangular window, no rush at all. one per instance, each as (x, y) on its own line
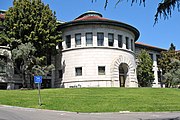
(101, 70)
(120, 41)
(100, 39)
(132, 45)
(78, 39)
(68, 41)
(157, 59)
(60, 73)
(111, 39)
(159, 76)
(3, 64)
(89, 40)
(151, 56)
(127, 43)
(78, 71)
(2, 69)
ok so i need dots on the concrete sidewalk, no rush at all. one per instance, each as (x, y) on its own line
(19, 113)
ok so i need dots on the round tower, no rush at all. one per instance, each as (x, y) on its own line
(98, 52)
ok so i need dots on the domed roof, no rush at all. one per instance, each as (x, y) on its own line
(90, 15)
(95, 18)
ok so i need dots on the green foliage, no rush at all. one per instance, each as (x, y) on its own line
(144, 69)
(31, 28)
(165, 7)
(166, 58)
(4, 40)
(96, 99)
(32, 21)
(166, 63)
(172, 47)
(172, 77)
(42, 70)
(24, 52)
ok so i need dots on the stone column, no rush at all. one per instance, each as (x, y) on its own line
(116, 40)
(106, 39)
(129, 43)
(73, 44)
(83, 39)
(123, 42)
(94, 39)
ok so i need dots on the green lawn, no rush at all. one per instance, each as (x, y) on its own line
(96, 99)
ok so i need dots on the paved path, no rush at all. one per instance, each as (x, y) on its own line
(18, 113)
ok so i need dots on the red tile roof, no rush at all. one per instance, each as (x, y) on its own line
(86, 18)
(149, 46)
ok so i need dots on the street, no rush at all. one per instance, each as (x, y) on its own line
(18, 113)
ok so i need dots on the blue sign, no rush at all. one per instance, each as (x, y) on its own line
(37, 79)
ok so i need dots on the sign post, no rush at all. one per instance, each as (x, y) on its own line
(38, 80)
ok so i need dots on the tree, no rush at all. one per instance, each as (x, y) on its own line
(172, 77)
(172, 47)
(166, 65)
(24, 53)
(164, 8)
(166, 58)
(31, 21)
(144, 69)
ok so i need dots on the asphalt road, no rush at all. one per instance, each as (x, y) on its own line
(18, 113)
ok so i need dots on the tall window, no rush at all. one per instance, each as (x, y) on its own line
(151, 55)
(78, 71)
(68, 41)
(89, 40)
(157, 59)
(111, 39)
(78, 39)
(159, 76)
(120, 41)
(101, 70)
(100, 39)
(127, 43)
(3, 63)
(132, 44)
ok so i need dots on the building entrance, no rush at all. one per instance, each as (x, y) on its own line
(123, 70)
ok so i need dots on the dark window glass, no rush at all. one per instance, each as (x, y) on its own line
(89, 40)
(157, 59)
(111, 39)
(151, 56)
(78, 71)
(100, 39)
(3, 64)
(60, 74)
(159, 76)
(127, 43)
(132, 44)
(68, 41)
(120, 41)
(78, 39)
(101, 70)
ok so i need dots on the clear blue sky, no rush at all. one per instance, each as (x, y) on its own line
(161, 35)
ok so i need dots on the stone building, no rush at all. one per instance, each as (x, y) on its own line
(154, 53)
(6, 65)
(96, 52)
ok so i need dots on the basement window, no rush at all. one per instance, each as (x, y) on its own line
(78, 71)
(101, 70)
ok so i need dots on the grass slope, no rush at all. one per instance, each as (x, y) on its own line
(96, 99)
